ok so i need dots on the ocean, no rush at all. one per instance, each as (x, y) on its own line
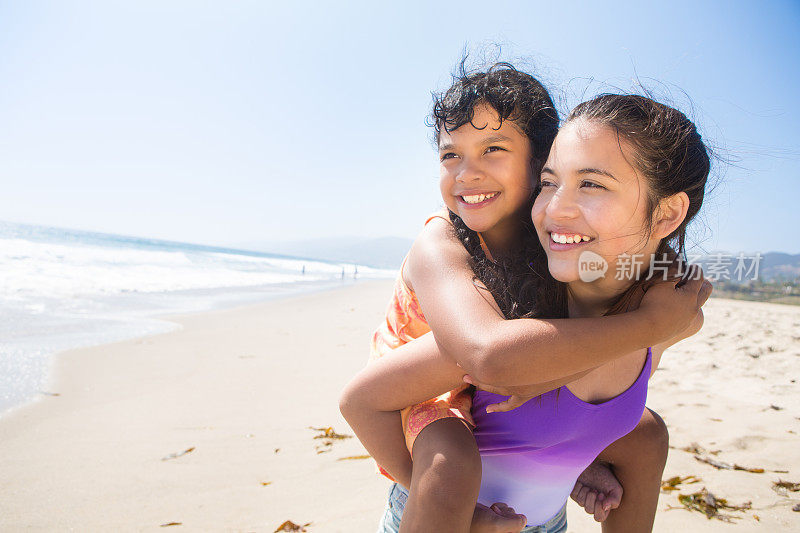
(62, 289)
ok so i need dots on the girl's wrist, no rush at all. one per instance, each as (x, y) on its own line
(652, 328)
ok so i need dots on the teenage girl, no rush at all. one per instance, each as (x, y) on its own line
(491, 144)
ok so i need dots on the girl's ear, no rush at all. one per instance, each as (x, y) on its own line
(670, 214)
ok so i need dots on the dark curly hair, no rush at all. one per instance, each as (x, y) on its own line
(521, 99)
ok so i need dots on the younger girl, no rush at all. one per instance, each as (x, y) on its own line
(624, 177)
(494, 129)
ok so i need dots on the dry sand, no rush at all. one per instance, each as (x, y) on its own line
(241, 387)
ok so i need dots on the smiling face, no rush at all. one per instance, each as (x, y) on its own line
(592, 199)
(486, 175)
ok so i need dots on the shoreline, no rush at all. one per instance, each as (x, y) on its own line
(208, 425)
(93, 458)
(129, 316)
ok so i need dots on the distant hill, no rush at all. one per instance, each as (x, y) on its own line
(777, 266)
(774, 266)
(384, 252)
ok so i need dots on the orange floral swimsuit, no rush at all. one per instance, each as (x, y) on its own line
(405, 322)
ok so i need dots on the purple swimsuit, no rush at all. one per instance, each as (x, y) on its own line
(533, 455)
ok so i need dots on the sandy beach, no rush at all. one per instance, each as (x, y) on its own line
(207, 427)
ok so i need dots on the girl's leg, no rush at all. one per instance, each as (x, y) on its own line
(445, 481)
(638, 461)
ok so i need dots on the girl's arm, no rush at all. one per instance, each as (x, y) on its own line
(521, 394)
(469, 329)
(371, 400)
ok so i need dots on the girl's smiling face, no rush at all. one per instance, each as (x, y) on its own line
(486, 175)
(592, 199)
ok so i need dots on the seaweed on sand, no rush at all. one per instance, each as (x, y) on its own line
(328, 435)
(668, 485)
(721, 465)
(177, 454)
(783, 487)
(291, 526)
(710, 505)
(352, 457)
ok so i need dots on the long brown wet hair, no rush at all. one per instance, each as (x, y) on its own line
(668, 152)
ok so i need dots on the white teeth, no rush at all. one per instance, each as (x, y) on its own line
(569, 239)
(478, 198)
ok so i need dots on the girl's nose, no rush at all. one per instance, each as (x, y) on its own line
(562, 205)
(469, 172)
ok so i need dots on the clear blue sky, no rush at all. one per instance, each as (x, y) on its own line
(231, 122)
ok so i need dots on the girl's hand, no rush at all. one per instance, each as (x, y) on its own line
(499, 518)
(674, 304)
(517, 394)
(597, 490)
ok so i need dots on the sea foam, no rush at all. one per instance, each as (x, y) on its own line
(63, 289)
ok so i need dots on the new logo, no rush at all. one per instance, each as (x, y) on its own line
(591, 266)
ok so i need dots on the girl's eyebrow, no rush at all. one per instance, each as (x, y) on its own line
(488, 140)
(495, 139)
(596, 171)
(548, 170)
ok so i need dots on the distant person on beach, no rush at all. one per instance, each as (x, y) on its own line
(494, 129)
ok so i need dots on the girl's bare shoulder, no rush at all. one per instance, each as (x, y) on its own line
(436, 248)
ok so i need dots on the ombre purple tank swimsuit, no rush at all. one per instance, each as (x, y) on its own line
(533, 455)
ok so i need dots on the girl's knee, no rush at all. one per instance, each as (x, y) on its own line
(643, 449)
(646, 447)
(654, 432)
(446, 449)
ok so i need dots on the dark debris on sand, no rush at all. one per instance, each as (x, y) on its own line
(710, 505)
(291, 526)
